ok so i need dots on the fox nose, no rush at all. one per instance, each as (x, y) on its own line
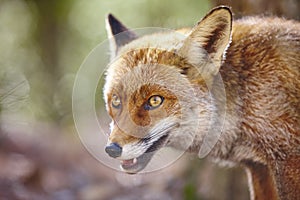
(113, 150)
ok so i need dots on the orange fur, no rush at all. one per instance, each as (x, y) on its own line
(261, 75)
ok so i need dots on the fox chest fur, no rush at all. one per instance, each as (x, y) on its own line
(160, 87)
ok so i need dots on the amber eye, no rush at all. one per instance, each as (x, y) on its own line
(115, 101)
(154, 102)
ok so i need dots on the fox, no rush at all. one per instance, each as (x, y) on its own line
(160, 92)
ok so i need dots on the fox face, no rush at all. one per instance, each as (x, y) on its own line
(157, 89)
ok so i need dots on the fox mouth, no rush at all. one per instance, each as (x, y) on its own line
(134, 165)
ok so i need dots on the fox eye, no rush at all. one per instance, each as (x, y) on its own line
(154, 102)
(115, 101)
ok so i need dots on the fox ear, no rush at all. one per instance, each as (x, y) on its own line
(113, 28)
(209, 40)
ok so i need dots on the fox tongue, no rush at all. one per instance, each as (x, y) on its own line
(128, 162)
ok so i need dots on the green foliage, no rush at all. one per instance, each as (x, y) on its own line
(190, 192)
(46, 41)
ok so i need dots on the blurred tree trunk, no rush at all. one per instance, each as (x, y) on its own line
(51, 17)
(283, 8)
(47, 34)
(47, 37)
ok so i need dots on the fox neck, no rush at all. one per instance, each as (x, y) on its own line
(224, 132)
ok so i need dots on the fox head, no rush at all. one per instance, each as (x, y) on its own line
(157, 87)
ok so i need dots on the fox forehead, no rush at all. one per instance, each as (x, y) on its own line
(167, 40)
(143, 66)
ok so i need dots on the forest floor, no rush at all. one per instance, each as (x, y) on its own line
(46, 163)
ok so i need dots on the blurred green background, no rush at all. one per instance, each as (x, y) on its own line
(47, 41)
(42, 45)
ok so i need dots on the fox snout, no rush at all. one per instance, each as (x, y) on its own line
(117, 141)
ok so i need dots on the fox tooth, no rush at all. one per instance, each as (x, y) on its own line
(134, 161)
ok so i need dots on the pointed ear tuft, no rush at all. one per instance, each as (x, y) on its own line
(209, 38)
(119, 33)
